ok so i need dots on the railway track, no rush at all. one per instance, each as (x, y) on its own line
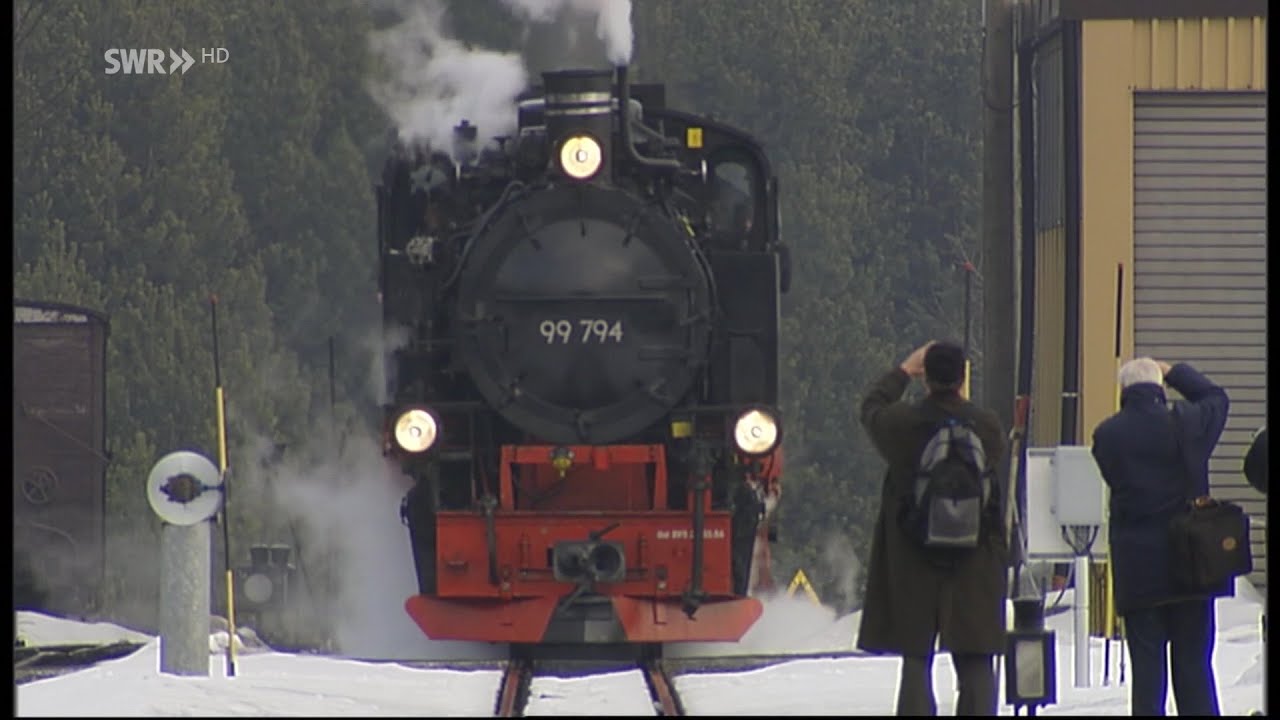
(658, 673)
(662, 688)
(518, 674)
(43, 662)
(513, 690)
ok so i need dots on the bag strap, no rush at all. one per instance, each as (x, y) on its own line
(1188, 484)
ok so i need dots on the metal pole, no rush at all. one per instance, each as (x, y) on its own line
(333, 401)
(184, 598)
(1110, 624)
(968, 284)
(1081, 614)
(332, 392)
(226, 494)
(999, 248)
(966, 389)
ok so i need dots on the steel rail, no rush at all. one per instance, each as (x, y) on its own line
(661, 688)
(513, 691)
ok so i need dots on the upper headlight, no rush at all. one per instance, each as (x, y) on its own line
(755, 432)
(580, 157)
(416, 430)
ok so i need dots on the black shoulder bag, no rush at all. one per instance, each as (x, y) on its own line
(1210, 538)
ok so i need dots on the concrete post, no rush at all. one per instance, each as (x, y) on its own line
(185, 562)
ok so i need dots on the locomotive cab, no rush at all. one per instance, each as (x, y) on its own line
(584, 386)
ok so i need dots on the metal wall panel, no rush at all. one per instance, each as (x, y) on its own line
(1200, 247)
(1048, 167)
(1219, 50)
(1050, 137)
(1047, 339)
(59, 459)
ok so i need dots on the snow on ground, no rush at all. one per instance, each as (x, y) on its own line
(265, 684)
(35, 629)
(868, 685)
(270, 683)
(612, 694)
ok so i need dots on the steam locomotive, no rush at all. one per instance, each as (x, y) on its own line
(587, 397)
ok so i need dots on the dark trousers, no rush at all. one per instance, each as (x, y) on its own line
(974, 674)
(1182, 633)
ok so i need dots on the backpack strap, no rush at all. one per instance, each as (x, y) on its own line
(973, 451)
(937, 446)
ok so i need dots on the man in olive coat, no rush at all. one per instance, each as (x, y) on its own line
(913, 595)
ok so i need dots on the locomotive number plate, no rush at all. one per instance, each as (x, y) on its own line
(589, 330)
(687, 534)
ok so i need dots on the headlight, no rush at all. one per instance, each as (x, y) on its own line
(416, 430)
(580, 157)
(755, 432)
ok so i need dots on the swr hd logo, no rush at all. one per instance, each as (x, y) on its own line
(150, 61)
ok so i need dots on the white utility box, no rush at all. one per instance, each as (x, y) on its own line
(1078, 488)
(1064, 487)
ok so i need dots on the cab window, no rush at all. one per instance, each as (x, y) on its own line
(732, 207)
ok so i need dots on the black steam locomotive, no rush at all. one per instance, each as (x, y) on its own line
(587, 393)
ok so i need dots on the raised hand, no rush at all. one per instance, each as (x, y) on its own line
(913, 366)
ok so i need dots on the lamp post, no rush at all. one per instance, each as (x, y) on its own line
(1030, 652)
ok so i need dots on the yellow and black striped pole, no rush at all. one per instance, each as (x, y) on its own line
(219, 398)
(968, 269)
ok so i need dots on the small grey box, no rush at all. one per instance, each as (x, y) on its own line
(1078, 492)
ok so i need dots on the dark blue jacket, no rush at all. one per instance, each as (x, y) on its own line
(1138, 456)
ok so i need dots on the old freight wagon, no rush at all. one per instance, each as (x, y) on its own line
(1144, 186)
(59, 461)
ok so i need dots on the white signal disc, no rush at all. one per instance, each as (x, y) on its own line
(171, 468)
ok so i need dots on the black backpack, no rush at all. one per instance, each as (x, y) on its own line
(952, 489)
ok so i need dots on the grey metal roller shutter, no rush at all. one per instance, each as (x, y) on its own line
(1200, 249)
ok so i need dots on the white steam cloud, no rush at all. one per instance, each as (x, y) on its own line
(796, 624)
(381, 343)
(434, 81)
(789, 625)
(839, 561)
(337, 501)
(612, 18)
(344, 500)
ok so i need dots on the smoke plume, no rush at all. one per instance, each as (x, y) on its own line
(336, 500)
(612, 20)
(436, 82)
(380, 343)
(789, 625)
(433, 81)
(839, 562)
(342, 498)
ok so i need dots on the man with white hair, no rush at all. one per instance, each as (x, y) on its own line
(1148, 454)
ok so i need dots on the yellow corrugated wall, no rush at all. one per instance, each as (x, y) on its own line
(1117, 58)
(1198, 53)
(1046, 375)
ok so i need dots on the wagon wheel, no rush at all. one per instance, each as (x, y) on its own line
(39, 486)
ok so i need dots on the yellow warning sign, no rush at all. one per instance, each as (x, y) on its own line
(802, 581)
(693, 137)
